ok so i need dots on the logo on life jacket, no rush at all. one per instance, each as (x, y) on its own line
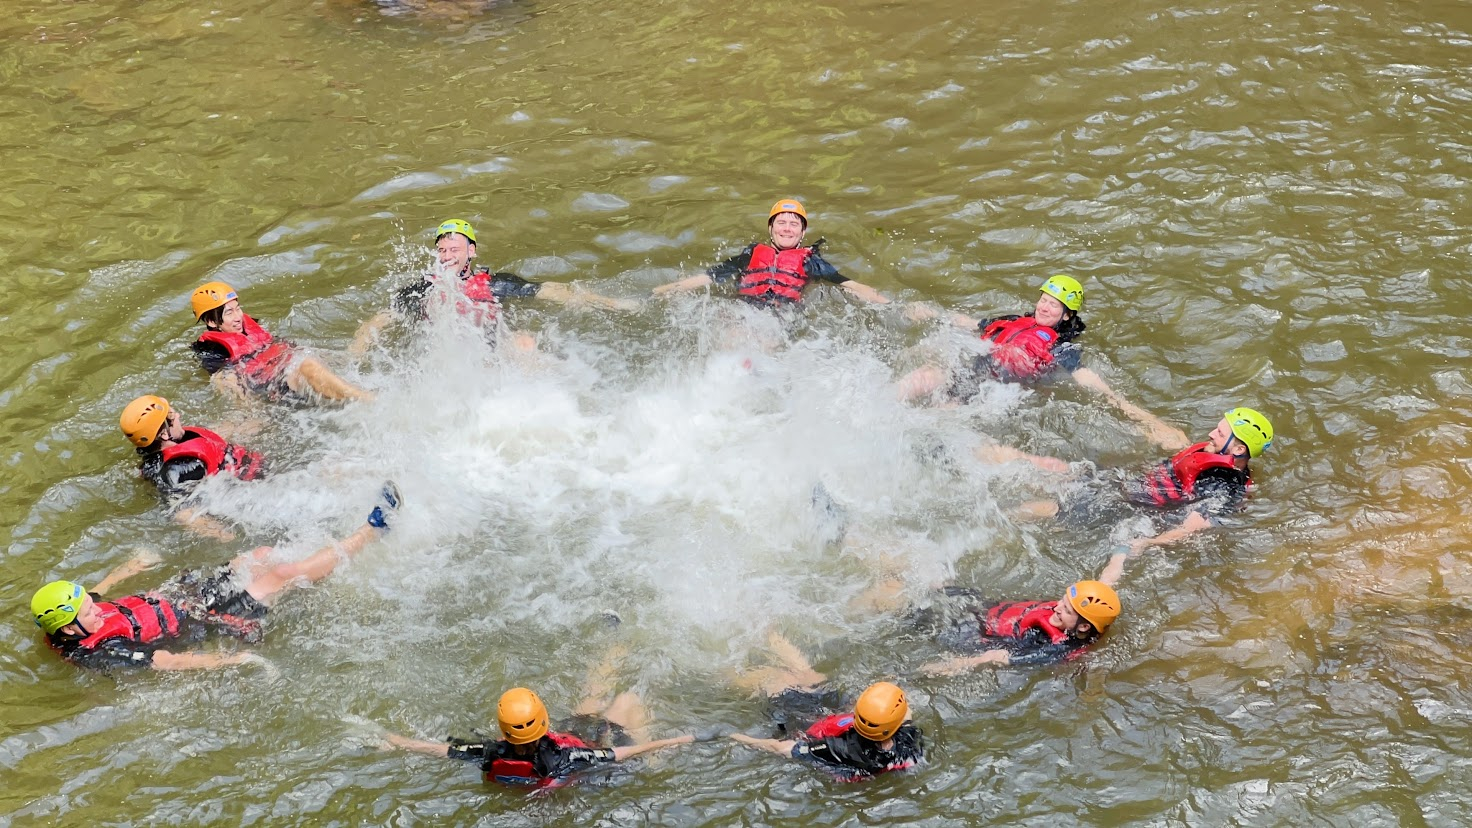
(1173, 481)
(252, 352)
(775, 276)
(1015, 619)
(1021, 348)
(141, 618)
(211, 449)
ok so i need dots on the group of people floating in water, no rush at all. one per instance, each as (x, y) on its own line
(1191, 490)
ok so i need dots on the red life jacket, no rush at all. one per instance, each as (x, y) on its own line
(1013, 620)
(831, 726)
(252, 352)
(775, 276)
(1173, 482)
(211, 449)
(482, 306)
(1021, 348)
(523, 771)
(141, 618)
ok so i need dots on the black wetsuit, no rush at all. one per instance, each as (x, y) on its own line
(551, 759)
(409, 301)
(852, 757)
(732, 269)
(200, 604)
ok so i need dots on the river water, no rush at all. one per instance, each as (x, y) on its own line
(1262, 200)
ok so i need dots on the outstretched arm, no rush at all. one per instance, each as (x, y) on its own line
(960, 664)
(165, 660)
(1162, 434)
(781, 747)
(865, 292)
(417, 745)
(568, 295)
(143, 560)
(201, 524)
(997, 454)
(683, 285)
(1193, 523)
(630, 751)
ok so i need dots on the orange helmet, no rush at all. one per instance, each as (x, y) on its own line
(523, 716)
(880, 711)
(1095, 602)
(209, 296)
(142, 419)
(788, 205)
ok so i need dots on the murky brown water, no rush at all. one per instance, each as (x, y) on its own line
(1262, 199)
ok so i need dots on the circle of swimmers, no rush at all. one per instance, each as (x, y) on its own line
(1190, 490)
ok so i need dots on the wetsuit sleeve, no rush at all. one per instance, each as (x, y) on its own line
(118, 653)
(1218, 495)
(731, 268)
(571, 760)
(409, 301)
(176, 477)
(1047, 653)
(1068, 356)
(818, 267)
(511, 286)
(460, 749)
(212, 355)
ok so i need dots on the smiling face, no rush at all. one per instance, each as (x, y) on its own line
(455, 252)
(1066, 618)
(787, 230)
(1049, 311)
(1221, 435)
(232, 318)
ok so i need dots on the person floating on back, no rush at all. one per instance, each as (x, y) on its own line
(875, 737)
(476, 291)
(1192, 490)
(243, 358)
(176, 457)
(530, 753)
(148, 630)
(775, 273)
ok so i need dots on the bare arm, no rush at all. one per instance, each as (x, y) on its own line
(865, 292)
(145, 559)
(568, 295)
(960, 664)
(369, 331)
(683, 285)
(781, 747)
(630, 751)
(204, 525)
(418, 745)
(1162, 434)
(1113, 570)
(996, 453)
(1193, 523)
(921, 312)
(165, 660)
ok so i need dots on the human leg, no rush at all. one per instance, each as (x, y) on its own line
(266, 580)
(311, 373)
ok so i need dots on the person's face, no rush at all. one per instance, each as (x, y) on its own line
(1049, 311)
(787, 230)
(1221, 435)
(88, 618)
(454, 251)
(1065, 617)
(232, 318)
(172, 430)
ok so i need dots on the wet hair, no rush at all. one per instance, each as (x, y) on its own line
(213, 318)
(1070, 326)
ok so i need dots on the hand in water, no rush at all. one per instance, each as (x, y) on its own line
(271, 670)
(919, 312)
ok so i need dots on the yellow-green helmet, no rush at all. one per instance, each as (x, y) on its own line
(56, 605)
(1065, 289)
(1252, 428)
(460, 226)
